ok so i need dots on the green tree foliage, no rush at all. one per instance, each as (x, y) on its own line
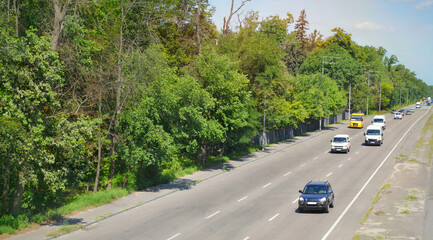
(139, 88)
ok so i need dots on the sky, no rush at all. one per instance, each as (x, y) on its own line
(403, 27)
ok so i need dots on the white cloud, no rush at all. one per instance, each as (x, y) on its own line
(424, 5)
(374, 26)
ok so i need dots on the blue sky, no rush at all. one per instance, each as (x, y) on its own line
(403, 27)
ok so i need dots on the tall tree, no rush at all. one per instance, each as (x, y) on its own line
(226, 25)
(60, 9)
(301, 27)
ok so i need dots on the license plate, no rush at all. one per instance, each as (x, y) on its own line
(311, 203)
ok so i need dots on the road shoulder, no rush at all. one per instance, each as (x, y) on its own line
(404, 202)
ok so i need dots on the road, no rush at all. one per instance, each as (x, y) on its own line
(259, 199)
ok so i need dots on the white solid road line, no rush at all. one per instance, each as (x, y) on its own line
(329, 174)
(272, 218)
(242, 198)
(212, 215)
(357, 152)
(349, 159)
(246, 238)
(316, 158)
(267, 185)
(287, 174)
(295, 200)
(340, 166)
(303, 165)
(177, 234)
(368, 181)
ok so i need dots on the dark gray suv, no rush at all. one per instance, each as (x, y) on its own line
(316, 196)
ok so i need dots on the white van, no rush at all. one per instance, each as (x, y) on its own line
(340, 143)
(418, 105)
(379, 120)
(374, 135)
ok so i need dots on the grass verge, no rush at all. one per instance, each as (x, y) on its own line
(64, 229)
(374, 201)
(10, 224)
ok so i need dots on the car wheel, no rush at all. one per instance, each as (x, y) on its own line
(300, 210)
(326, 210)
(331, 204)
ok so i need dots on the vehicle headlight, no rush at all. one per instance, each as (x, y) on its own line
(301, 199)
(323, 200)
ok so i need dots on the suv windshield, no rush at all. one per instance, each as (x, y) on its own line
(373, 132)
(378, 120)
(339, 140)
(314, 189)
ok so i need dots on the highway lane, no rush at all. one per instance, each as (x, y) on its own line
(258, 200)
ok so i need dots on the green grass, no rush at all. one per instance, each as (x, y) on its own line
(6, 230)
(64, 229)
(413, 160)
(380, 213)
(356, 237)
(405, 211)
(9, 223)
(374, 201)
(412, 197)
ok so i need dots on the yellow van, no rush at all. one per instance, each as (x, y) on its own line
(357, 120)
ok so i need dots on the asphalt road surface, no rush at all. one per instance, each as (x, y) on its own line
(259, 200)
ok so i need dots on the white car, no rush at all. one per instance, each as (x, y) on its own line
(340, 143)
(398, 115)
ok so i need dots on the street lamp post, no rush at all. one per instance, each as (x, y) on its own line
(368, 85)
(380, 94)
(323, 69)
(264, 128)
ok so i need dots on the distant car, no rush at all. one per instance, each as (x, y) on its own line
(379, 120)
(316, 196)
(408, 112)
(340, 143)
(412, 109)
(393, 111)
(402, 111)
(398, 115)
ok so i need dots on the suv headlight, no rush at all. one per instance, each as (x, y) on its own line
(323, 200)
(301, 199)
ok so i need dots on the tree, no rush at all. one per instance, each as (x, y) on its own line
(301, 27)
(226, 25)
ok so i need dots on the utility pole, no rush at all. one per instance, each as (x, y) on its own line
(380, 94)
(350, 92)
(264, 128)
(323, 69)
(368, 85)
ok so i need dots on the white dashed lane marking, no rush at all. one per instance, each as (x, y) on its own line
(212, 215)
(295, 201)
(177, 234)
(340, 166)
(303, 165)
(329, 174)
(287, 174)
(267, 185)
(242, 198)
(272, 218)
